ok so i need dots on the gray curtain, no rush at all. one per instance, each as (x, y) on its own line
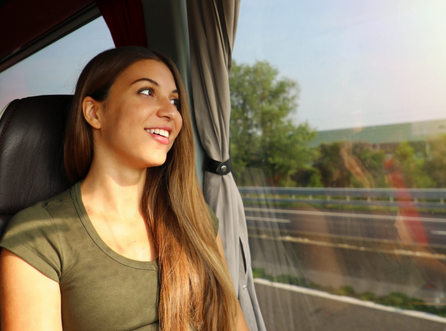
(212, 28)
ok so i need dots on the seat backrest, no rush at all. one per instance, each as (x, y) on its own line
(31, 152)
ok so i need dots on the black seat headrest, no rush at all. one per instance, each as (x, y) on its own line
(31, 152)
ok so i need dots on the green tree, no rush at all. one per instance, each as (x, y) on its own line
(350, 164)
(411, 167)
(372, 161)
(331, 166)
(308, 177)
(262, 133)
(435, 163)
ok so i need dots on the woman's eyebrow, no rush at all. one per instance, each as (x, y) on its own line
(152, 81)
(146, 79)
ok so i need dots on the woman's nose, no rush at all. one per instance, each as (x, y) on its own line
(168, 109)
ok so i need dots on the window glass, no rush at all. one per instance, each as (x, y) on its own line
(56, 68)
(338, 144)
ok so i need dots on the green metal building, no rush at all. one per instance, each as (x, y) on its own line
(385, 136)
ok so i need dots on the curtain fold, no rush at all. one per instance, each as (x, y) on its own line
(125, 20)
(212, 28)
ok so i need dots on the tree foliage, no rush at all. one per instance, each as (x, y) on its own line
(331, 166)
(435, 163)
(411, 167)
(262, 136)
(350, 164)
(262, 133)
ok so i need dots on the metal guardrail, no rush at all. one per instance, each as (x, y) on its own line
(420, 198)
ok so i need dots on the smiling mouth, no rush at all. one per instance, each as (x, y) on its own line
(159, 132)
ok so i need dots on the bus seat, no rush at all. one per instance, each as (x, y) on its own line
(31, 152)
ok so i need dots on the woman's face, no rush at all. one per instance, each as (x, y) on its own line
(139, 120)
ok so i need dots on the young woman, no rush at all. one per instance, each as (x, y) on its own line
(132, 245)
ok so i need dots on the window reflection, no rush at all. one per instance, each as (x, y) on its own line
(339, 150)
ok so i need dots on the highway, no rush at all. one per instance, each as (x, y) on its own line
(334, 249)
(348, 224)
(287, 310)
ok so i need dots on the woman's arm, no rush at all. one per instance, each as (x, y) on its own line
(241, 323)
(29, 300)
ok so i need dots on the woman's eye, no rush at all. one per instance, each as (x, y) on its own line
(175, 102)
(146, 91)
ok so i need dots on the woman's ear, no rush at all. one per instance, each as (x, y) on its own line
(90, 109)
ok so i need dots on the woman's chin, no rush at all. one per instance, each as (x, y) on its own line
(156, 162)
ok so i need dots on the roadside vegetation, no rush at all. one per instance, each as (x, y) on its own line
(264, 138)
(394, 299)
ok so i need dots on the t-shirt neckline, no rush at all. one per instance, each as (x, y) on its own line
(83, 215)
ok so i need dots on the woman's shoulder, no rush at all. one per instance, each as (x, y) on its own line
(33, 234)
(42, 210)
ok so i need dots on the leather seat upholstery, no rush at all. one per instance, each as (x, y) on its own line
(32, 132)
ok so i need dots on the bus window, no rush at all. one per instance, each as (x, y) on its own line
(338, 147)
(55, 69)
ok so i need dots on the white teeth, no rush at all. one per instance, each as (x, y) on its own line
(164, 133)
(160, 132)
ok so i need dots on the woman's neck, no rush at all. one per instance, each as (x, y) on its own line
(114, 191)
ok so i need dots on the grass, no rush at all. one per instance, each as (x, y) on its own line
(394, 299)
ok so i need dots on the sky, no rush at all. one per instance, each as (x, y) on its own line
(358, 63)
(56, 68)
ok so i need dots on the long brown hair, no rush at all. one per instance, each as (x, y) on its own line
(195, 288)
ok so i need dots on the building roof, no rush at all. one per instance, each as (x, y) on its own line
(383, 134)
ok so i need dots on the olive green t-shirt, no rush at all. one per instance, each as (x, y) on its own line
(100, 289)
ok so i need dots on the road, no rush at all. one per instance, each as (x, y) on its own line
(287, 310)
(346, 224)
(336, 249)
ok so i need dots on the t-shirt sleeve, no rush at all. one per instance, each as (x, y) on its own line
(33, 235)
(215, 220)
